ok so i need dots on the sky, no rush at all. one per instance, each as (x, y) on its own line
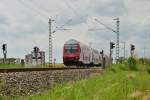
(24, 24)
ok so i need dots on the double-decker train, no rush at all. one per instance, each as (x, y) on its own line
(76, 53)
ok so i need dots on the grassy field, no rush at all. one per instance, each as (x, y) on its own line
(116, 83)
(38, 66)
(58, 65)
(11, 66)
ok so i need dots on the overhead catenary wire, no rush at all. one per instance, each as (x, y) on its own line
(36, 9)
(60, 27)
(105, 25)
(38, 12)
(95, 29)
(30, 6)
(115, 31)
(72, 9)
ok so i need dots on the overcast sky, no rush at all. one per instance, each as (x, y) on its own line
(24, 24)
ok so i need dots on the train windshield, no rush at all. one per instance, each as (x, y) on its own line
(71, 48)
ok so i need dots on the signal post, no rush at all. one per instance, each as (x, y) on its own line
(4, 48)
(103, 59)
(132, 49)
(112, 45)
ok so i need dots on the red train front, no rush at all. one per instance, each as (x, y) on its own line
(71, 52)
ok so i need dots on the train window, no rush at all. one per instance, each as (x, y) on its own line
(71, 48)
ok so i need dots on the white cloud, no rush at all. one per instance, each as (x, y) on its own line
(24, 23)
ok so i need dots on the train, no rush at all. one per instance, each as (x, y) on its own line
(76, 53)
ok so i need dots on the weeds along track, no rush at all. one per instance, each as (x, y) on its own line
(11, 70)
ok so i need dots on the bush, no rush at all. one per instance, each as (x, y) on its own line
(141, 60)
(132, 63)
(145, 61)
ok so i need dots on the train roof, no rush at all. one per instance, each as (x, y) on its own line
(72, 41)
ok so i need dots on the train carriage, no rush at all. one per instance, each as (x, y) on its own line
(77, 53)
(96, 58)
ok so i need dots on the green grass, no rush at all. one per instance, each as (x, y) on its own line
(20, 66)
(58, 65)
(11, 66)
(116, 83)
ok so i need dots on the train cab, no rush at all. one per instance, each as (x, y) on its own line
(71, 52)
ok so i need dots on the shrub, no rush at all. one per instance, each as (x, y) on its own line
(145, 61)
(141, 60)
(132, 63)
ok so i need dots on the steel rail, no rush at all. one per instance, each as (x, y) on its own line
(9, 70)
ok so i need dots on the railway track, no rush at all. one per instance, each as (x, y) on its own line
(10, 70)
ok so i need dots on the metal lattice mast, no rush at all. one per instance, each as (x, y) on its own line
(124, 49)
(50, 43)
(117, 42)
(115, 31)
(50, 38)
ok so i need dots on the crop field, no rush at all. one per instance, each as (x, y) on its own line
(116, 83)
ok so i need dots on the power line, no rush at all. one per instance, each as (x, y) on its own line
(95, 29)
(33, 7)
(115, 31)
(60, 27)
(70, 7)
(105, 25)
(37, 11)
(30, 8)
